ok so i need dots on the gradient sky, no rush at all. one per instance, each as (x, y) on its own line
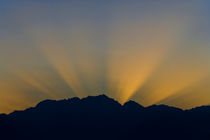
(153, 52)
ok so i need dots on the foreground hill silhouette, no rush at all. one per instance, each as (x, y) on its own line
(100, 117)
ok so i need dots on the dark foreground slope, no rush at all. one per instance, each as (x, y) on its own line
(101, 117)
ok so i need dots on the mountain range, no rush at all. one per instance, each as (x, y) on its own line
(101, 117)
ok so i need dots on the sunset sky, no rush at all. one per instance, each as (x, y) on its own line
(149, 51)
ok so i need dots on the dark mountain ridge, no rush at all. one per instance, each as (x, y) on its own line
(101, 117)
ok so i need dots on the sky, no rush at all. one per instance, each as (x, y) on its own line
(152, 52)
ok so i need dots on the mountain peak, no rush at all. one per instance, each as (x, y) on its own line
(46, 102)
(132, 105)
(163, 108)
(102, 96)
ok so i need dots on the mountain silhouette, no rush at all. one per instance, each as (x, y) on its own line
(101, 117)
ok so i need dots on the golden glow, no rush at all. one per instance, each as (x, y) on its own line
(135, 52)
(169, 83)
(37, 82)
(76, 61)
(193, 96)
(178, 74)
(14, 96)
(157, 54)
